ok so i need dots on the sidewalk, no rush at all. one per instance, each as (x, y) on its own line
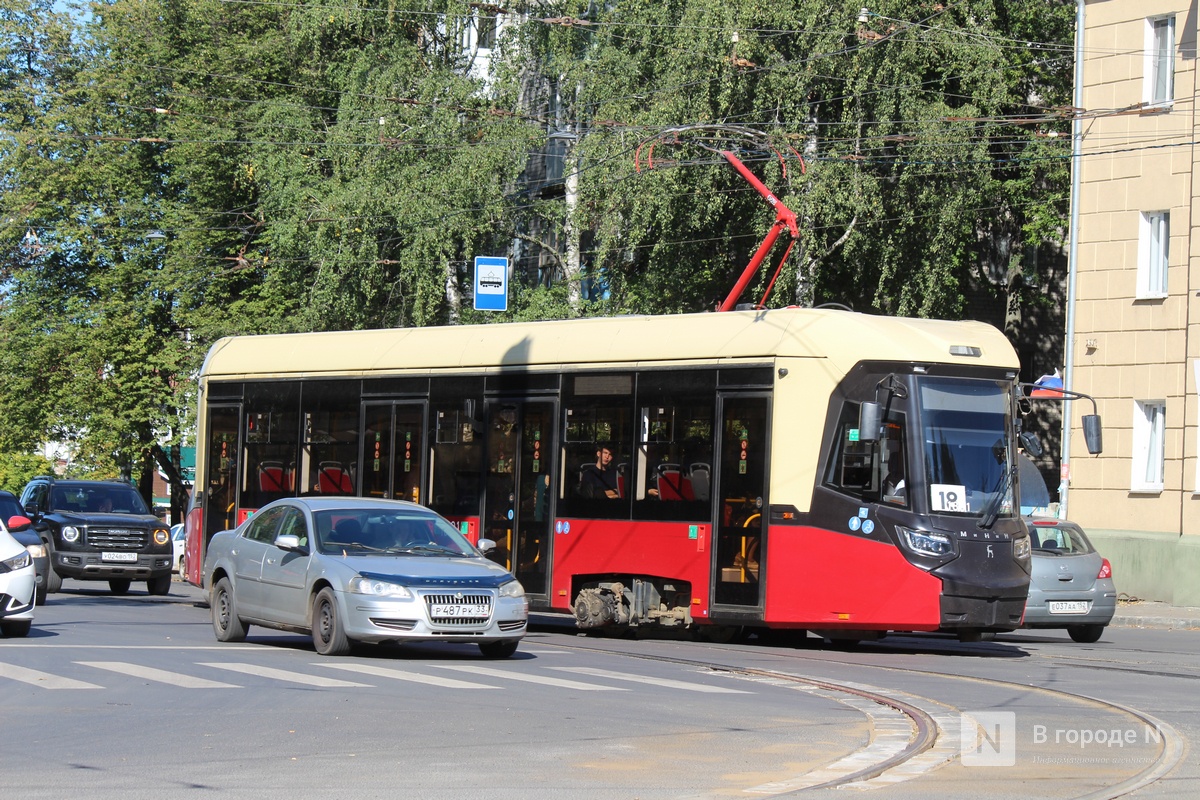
(1151, 614)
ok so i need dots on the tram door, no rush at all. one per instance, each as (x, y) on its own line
(517, 513)
(393, 450)
(741, 497)
(217, 496)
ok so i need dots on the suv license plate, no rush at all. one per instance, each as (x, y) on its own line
(123, 557)
(443, 610)
(1070, 607)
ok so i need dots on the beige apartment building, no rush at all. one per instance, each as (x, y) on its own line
(1135, 346)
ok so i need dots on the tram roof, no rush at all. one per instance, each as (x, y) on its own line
(844, 337)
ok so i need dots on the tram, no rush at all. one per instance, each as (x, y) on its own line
(803, 469)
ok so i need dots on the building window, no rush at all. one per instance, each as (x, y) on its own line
(1153, 249)
(1159, 81)
(1149, 435)
(485, 30)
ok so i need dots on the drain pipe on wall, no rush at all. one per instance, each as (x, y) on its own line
(1072, 264)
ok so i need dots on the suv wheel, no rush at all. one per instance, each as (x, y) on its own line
(159, 585)
(119, 585)
(53, 579)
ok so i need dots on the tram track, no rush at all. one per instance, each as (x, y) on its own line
(926, 727)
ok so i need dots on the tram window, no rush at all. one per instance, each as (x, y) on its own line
(218, 390)
(457, 462)
(747, 376)
(456, 445)
(597, 428)
(329, 459)
(272, 429)
(672, 474)
(869, 470)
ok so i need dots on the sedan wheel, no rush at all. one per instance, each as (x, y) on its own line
(16, 628)
(225, 622)
(327, 634)
(498, 649)
(1085, 634)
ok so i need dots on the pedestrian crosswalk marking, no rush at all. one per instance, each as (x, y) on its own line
(405, 675)
(159, 675)
(544, 680)
(666, 683)
(42, 680)
(286, 675)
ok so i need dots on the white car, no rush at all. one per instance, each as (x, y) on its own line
(178, 544)
(356, 569)
(17, 584)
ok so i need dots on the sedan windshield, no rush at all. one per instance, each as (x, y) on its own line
(375, 531)
(966, 446)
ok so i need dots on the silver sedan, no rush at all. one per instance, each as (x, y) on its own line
(353, 569)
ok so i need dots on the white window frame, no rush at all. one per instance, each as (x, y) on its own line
(1158, 84)
(1154, 254)
(1149, 441)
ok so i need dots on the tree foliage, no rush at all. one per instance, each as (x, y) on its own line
(174, 171)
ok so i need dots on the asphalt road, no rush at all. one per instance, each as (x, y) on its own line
(133, 697)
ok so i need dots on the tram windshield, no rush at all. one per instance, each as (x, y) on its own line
(966, 446)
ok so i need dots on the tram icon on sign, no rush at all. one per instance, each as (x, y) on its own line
(491, 283)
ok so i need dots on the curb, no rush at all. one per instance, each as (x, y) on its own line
(1157, 622)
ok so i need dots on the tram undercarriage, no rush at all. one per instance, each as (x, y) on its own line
(632, 601)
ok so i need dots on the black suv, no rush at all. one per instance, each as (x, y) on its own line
(99, 531)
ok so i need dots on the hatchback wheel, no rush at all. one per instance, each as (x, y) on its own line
(327, 634)
(1085, 634)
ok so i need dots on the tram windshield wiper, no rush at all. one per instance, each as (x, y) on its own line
(991, 509)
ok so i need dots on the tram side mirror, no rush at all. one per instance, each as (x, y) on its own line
(868, 422)
(1031, 444)
(1093, 433)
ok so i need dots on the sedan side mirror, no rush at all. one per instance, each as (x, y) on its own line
(18, 523)
(291, 543)
(485, 546)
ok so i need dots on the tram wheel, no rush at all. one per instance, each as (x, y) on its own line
(720, 634)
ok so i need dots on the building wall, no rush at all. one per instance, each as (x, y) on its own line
(1137, 159)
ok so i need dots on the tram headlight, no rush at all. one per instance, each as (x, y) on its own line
(926, 543)
(1022, 549)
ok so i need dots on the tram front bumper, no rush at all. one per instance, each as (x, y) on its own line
(981, 613)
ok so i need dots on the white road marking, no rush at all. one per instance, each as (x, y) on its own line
(286, 675)
(43, 680)
(402, 675)
(159, 675)
(539, 679)
(666, 683)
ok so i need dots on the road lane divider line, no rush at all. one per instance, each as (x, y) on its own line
(158, 675)
(43, 680)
